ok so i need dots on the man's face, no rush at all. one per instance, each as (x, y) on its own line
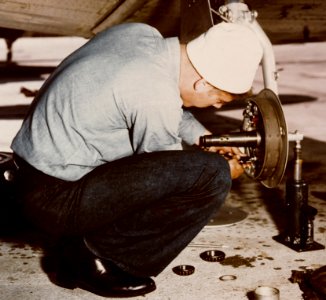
(205, 95)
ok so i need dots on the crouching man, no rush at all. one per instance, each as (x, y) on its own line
(100, 153)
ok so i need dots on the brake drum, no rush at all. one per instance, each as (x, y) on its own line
(264, 115)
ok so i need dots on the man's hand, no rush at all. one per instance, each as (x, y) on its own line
(233, 155)
(236, 168)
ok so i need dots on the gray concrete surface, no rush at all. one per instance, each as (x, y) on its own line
(252, 255)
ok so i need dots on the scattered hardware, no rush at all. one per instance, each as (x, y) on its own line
(184, 270)
(228, 277)
(266, 293)
(212, 255)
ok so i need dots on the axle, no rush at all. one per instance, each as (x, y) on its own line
(233, 139)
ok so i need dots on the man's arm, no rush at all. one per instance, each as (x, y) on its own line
(191, 130)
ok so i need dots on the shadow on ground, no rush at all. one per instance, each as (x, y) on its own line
(13, 72)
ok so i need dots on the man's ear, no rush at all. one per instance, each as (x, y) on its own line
(200, 85)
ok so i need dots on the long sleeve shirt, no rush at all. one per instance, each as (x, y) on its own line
(116, 96)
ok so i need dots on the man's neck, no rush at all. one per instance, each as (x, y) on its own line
(188, 74)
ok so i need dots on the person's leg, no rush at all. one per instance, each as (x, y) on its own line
(136, 210)
(161, 203)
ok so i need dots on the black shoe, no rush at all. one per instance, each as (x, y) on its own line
(101, 277)
(107, 280)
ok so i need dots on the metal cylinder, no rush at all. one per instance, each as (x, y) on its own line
(266, 293)
(297, 175)
(296, 210)
(234, 139)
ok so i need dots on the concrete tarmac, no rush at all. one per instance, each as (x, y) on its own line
(253, 257)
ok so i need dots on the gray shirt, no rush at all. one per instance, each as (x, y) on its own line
(116, 96)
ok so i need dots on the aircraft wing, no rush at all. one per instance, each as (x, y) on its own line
(86, 18)
(283, 20)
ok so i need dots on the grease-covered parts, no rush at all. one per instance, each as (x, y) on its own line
(227, 277)
(184, 270)
(212, 255)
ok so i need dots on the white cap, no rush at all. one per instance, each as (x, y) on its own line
(227, 56)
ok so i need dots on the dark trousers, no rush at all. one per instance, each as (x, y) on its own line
(139, 211)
